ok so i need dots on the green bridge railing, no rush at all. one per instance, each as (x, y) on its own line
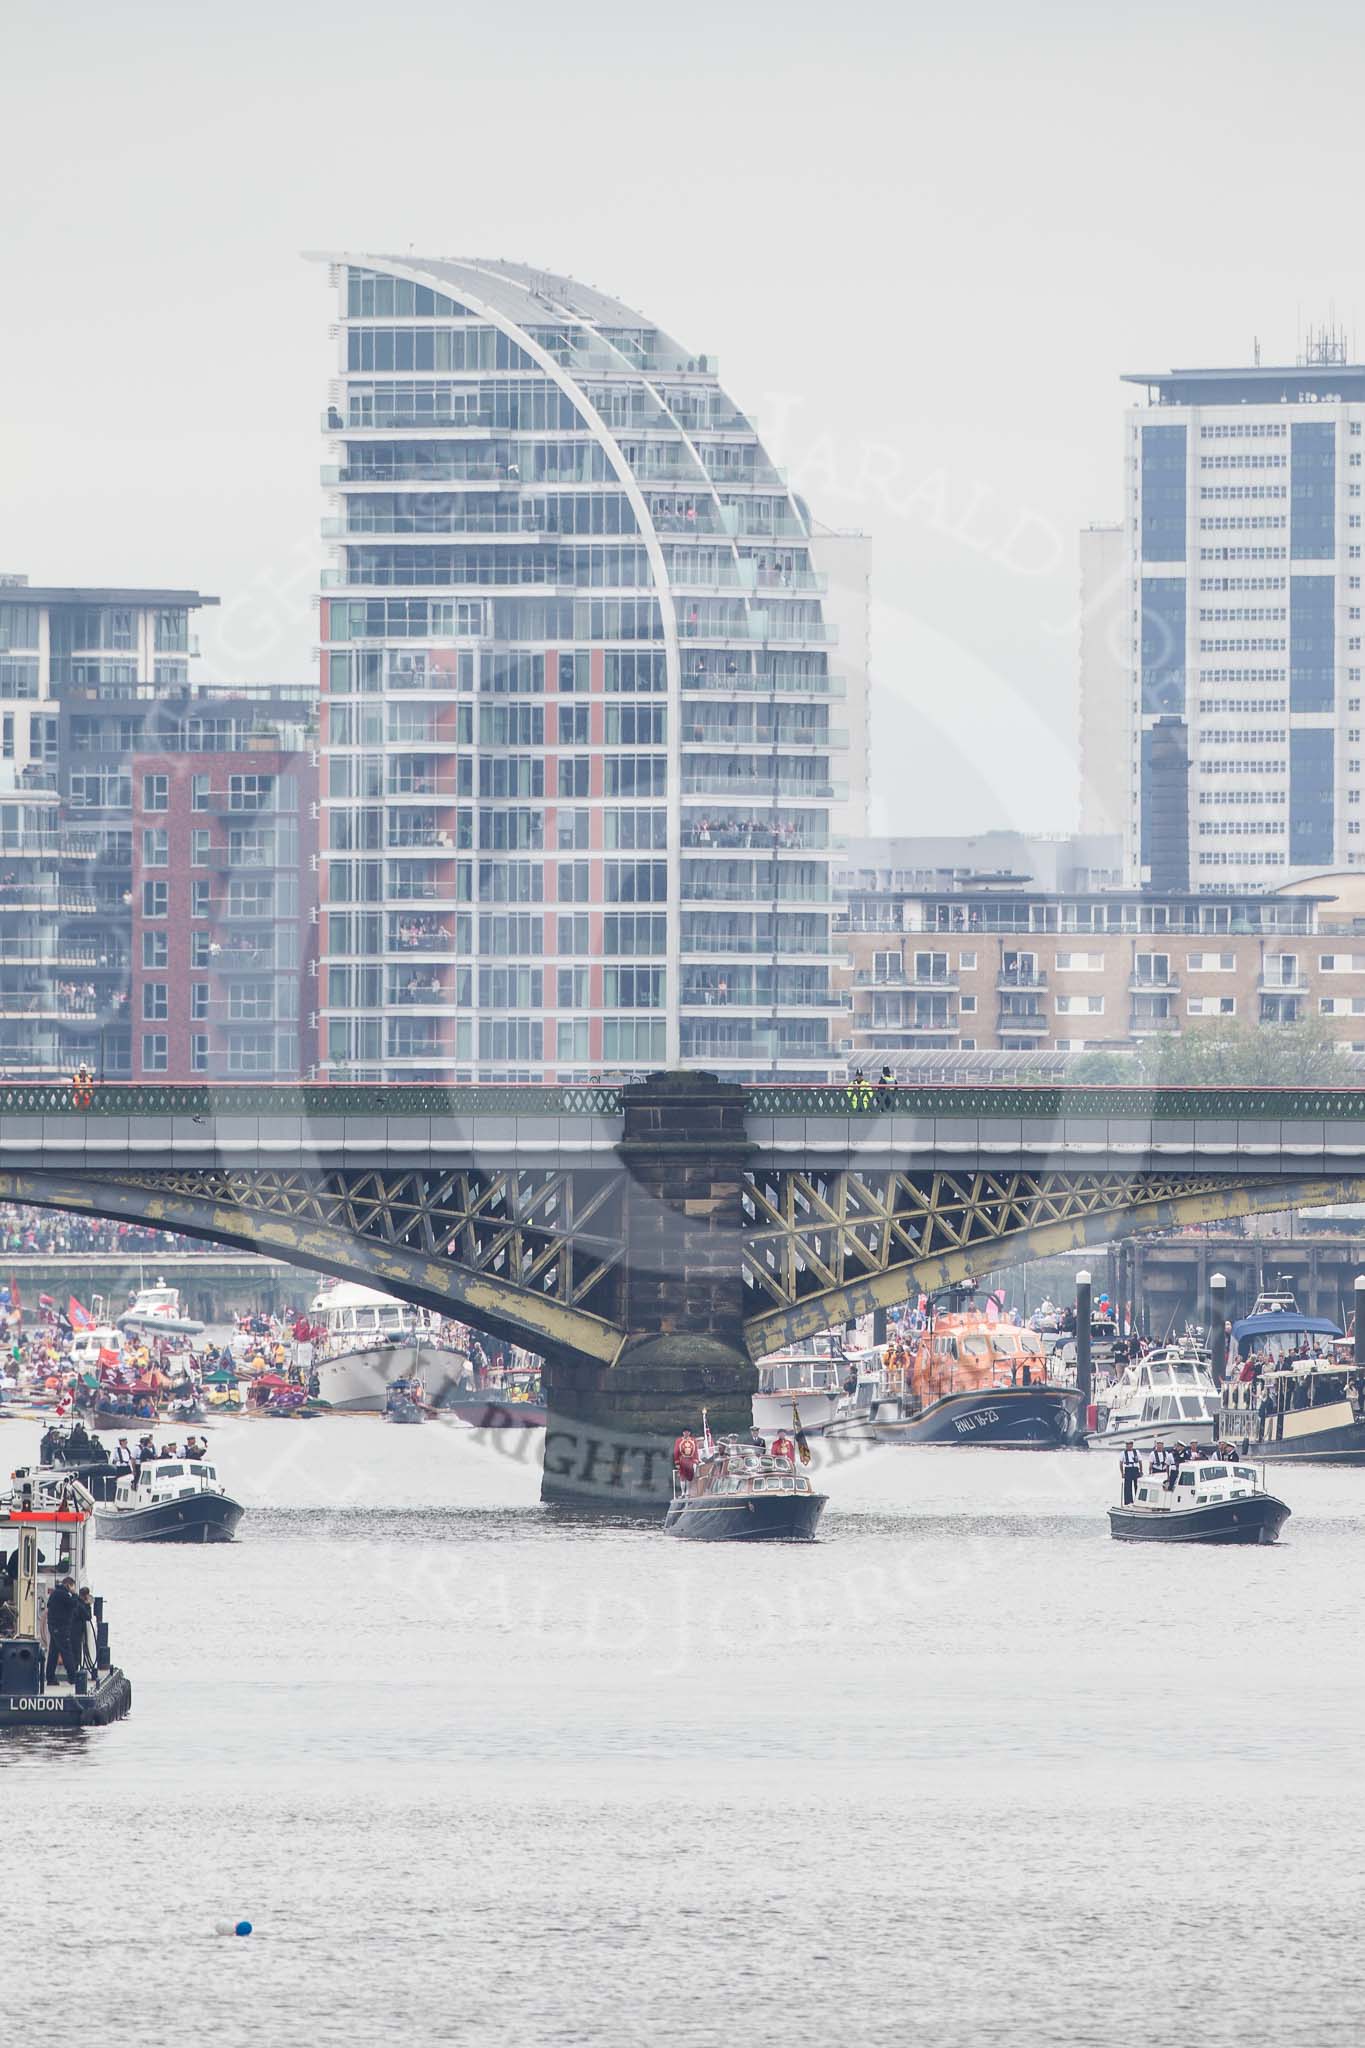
(606, 1098)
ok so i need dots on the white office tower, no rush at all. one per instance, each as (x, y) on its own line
(582, 730)
(1243, 525)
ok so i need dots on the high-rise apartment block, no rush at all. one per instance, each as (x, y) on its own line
(1242, 537)
(224, 923)
(582, 731)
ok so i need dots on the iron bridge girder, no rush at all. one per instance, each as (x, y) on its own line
(824, 1247)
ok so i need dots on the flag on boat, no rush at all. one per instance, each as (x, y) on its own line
(802, 1447)
(77, 1316)
(707, 1444)
(46, 1301)
(107, 1357)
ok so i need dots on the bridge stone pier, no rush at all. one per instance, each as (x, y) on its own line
(651, 1240)
(612, 1425)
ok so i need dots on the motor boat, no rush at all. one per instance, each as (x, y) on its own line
(156, 1312)
(71, 1451)
(969, 1378)
(170, 1500)
(370, 1341)
(801, 1387)
(1291, 1398)
(1168, 1396)
(402, 1402)
(731, 1491)
(1212, 1500)
(45, 1522)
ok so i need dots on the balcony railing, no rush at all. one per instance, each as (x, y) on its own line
(1021, 978)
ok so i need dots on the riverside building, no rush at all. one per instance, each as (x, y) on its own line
(583, 722)
(1049, 955)
(1242, 751)
(82, 672)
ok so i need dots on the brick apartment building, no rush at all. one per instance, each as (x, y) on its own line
(994, 963)
(223, 921)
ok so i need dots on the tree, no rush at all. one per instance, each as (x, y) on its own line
(1225, 1052)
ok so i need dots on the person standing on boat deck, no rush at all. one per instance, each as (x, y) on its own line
(62, 1623)
(1159, 1461)
(1130, 1469)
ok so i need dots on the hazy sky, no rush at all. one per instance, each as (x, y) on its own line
(923, 249)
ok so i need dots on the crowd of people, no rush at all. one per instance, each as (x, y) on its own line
(54, 1233)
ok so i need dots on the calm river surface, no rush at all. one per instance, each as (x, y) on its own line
(964, 1771)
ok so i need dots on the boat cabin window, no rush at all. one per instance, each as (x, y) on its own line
(1168, 1411)
(168, 1472)
(1191, 1407)
(977, 1347)
(1187, 1479)
(1244, 1472)
(1184, 1372)
(1207, 1472)
(202, 1472)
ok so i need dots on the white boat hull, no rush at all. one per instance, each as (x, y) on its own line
(1143, 1435)
(356, 1382)
(773, 1412)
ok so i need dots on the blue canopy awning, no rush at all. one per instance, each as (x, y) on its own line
(1283, 1323)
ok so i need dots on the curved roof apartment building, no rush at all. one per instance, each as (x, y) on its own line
(582, 733)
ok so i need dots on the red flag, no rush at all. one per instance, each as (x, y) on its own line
(77, 1316)
(107, 1357)
(15, 1304)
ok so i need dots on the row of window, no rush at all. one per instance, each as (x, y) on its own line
(241, 1052)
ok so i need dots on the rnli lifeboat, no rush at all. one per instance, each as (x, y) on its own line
(969, 1380)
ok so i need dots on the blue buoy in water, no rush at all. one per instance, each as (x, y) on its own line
(242, 1927)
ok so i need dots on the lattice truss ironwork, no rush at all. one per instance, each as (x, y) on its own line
(812, 1232)
(554, 1232)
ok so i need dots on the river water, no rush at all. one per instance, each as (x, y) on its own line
(964, 1771)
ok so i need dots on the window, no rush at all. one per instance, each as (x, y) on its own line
(199, 1000)
(573, 933)
(571, 1039)
(201, 903)
(155, 949)
(199, 792)
(633, 988)
(1211, 1006)
(573, 831)
(573, 881)
(572, 988)
(156, 848)
(574, 725)
(968, 1005)
(154, 1046)
(156, 792)
(632, 1041)
(199, 1052)
(155, 1002)
(967, 962)
(155, 898)
(574, 770)
(199, 846)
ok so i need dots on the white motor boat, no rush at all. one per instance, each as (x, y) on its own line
(807, 1378)
(371, 1341)
(156, 1311)
(1168, 1395)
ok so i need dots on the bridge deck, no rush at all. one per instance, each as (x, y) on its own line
(1275, 1130)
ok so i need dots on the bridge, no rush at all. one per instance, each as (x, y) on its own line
(653, 1239)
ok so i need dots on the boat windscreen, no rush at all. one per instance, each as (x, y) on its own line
(976, 1347)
